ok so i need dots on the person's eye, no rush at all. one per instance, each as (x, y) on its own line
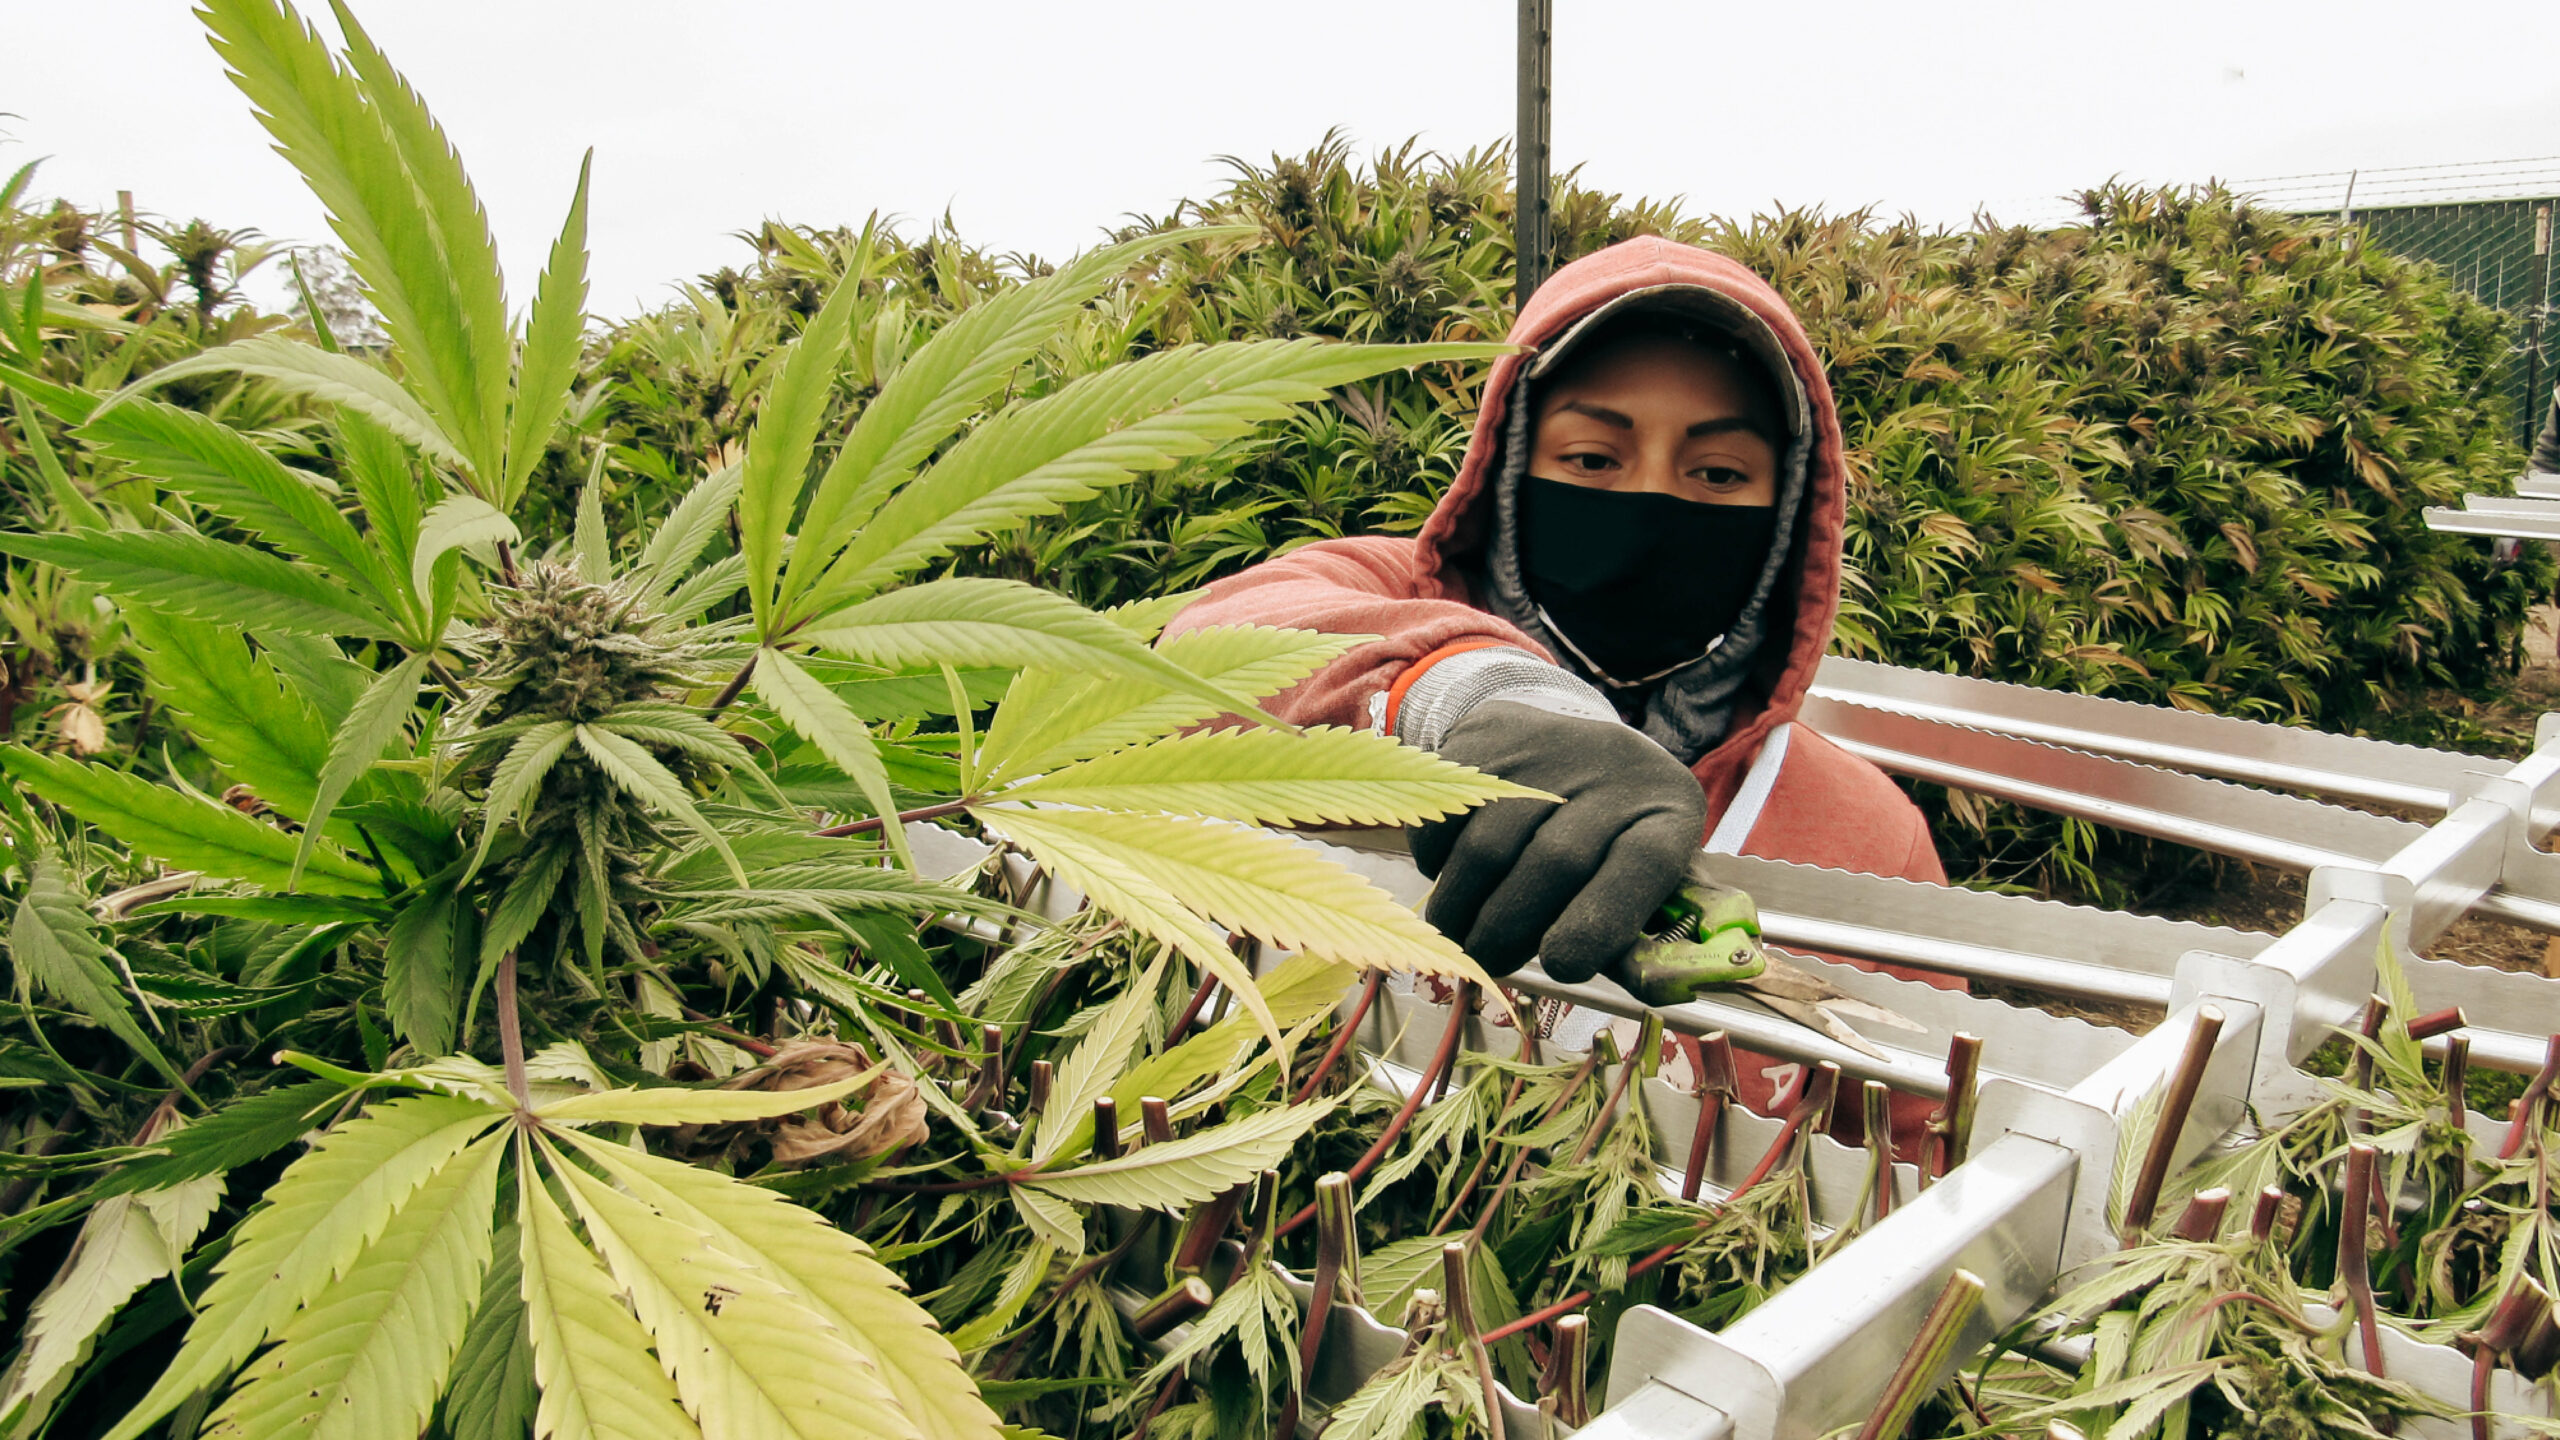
(1719, 477)
(1589, 462)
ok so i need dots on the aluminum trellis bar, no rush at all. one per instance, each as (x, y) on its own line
(2287, 757)
(2258, 825)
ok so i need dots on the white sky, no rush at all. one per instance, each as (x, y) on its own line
(1037, 125)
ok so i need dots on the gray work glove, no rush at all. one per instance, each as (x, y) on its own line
(1570, 884)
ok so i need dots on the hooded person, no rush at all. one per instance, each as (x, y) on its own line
(1620, 601)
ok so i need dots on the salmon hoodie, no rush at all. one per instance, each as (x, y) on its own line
(1448, 605)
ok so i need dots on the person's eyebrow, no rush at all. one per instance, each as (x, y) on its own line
(1727, 426)
(1615, 419)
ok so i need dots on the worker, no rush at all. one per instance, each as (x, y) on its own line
(1620, 601)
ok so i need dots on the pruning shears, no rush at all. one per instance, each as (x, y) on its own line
(1707, 936)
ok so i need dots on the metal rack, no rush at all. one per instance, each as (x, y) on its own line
(2028, 1200)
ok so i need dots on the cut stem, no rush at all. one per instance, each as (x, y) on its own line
(1716, 1086)
(1563, 1380)
(2457, 1082)
(1957, 1301)
(2355, 1210)
(2184, 1081)
(1877, 1114)
(1189, 1298)
(1814, 1098)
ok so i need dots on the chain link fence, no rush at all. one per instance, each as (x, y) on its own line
(2488, 224)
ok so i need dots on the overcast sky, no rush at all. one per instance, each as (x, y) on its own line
(1036, 126)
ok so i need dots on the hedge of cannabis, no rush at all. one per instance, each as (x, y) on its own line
(2176, 453)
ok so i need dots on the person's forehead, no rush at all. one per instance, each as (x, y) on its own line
(1662, 365)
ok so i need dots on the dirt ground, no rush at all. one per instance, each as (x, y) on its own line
(2257, 898)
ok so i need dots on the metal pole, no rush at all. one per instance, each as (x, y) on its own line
(2534, 405)
(1530, 140)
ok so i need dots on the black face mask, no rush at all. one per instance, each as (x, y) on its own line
(1639, 582)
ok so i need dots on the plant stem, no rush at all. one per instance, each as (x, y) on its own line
(510, 1035)
(865, 827)
(1462, 1007)
(737, 686)
(1956, 1303)
(2184, 1081)
(1821, 1085)
(1191, 1012)
(2529, 1105)
(1342, 1037)
(1475, 1177)
(2354, 1271)
(746, 1042)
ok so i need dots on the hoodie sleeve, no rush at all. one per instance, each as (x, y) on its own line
(1361, 586)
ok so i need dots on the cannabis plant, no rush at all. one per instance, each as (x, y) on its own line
(525, 847)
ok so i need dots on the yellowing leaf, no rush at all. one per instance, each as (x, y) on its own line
(319, 1216)
(1248, 880)
(830, 1271)
(1325, 776)
(1191, 1169)
(1133, 893)
(747, 1357)
(368, 1358)
(695, 1107)
(1053, 717)
(590, 1357)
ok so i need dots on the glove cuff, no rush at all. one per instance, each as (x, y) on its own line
(1430, 698)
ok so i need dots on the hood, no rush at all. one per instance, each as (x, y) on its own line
(1719, 708)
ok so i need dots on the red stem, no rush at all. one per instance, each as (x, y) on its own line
(510, 1036)
(1463, 1007)
(2529, 1105)
(1342, 1037)
(865, 827)
(1578, 1298)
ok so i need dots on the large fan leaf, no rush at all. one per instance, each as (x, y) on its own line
(1135, 895)
(555, 333)
(55, 950)
(319, 1216)
(680, 537)
(316, 374)
(1098, 431)
(822, 718)
(210, 579)
(746, 1355)
(492, 1396)
(235, 706)
(1053, 717)
(126, 1242)
(369, 1356)
(392, 200)
(1250, 880)
(672, 1106)
(1192, 1168)
(218, 468)
(189, 833)
(1326, 776)
(965, 363)
(974, 621)
(786, 431)
(590, 1357)
(830, 1272)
